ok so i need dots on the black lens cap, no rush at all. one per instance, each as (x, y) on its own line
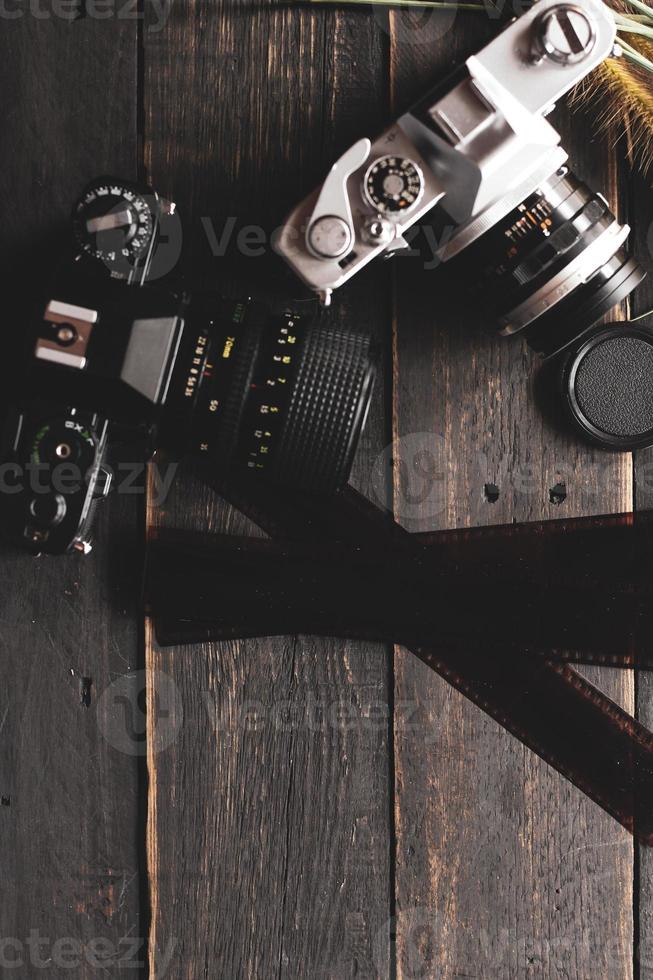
(607, 385)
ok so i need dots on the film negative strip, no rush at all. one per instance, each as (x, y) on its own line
(215, 587)
(535, 695)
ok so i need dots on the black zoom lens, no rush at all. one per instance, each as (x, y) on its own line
(555, 264)
(282, 396)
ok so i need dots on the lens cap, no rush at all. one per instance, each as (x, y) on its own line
(607, 385)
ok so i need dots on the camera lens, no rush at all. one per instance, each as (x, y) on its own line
(555, 264)
(282, 396)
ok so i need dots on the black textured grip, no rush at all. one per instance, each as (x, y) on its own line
(311, 434)
(614, 386)
(327, 409)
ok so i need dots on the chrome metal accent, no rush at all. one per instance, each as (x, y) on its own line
(329, 237)
(566, 35)
(108, 222)
(377, 231)
(333, 201)
(579, 271)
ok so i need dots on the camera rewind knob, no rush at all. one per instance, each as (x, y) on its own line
(564, 34)
(116, 223)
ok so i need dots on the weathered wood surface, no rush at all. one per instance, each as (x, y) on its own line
(640, 214)
(314, 809)
(270, 817)
(69, 629)
(503, 868)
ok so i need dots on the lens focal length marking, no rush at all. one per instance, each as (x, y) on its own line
(270, 392)
(537, 216)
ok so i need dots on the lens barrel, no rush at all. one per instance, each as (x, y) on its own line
(555, 264)
(283, 396)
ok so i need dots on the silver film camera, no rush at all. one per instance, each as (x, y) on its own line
(548, 254)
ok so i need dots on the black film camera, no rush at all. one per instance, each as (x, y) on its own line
(117, 372)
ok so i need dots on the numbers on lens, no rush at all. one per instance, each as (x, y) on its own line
(269, 391)
(393, 185)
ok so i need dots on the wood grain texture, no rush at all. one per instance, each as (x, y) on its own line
(68, 627)
(640, 216)
(280, 771)
(503, 869)
(269, 824)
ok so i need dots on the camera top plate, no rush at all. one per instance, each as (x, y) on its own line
(471, 146)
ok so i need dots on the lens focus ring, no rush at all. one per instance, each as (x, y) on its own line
(555, 264)
(327, 409)
(293, 404)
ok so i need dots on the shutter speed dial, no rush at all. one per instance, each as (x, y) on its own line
(115, 224)
(393, 185)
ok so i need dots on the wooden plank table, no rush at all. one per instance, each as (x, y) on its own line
(292, 808)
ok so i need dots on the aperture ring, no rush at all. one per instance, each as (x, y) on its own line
(573, 275)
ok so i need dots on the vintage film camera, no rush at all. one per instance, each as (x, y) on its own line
(119, 371)
(541, 252)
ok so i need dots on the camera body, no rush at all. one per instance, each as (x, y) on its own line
(540, 253)
(123, 365)
(479, 150)
(477, 145)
